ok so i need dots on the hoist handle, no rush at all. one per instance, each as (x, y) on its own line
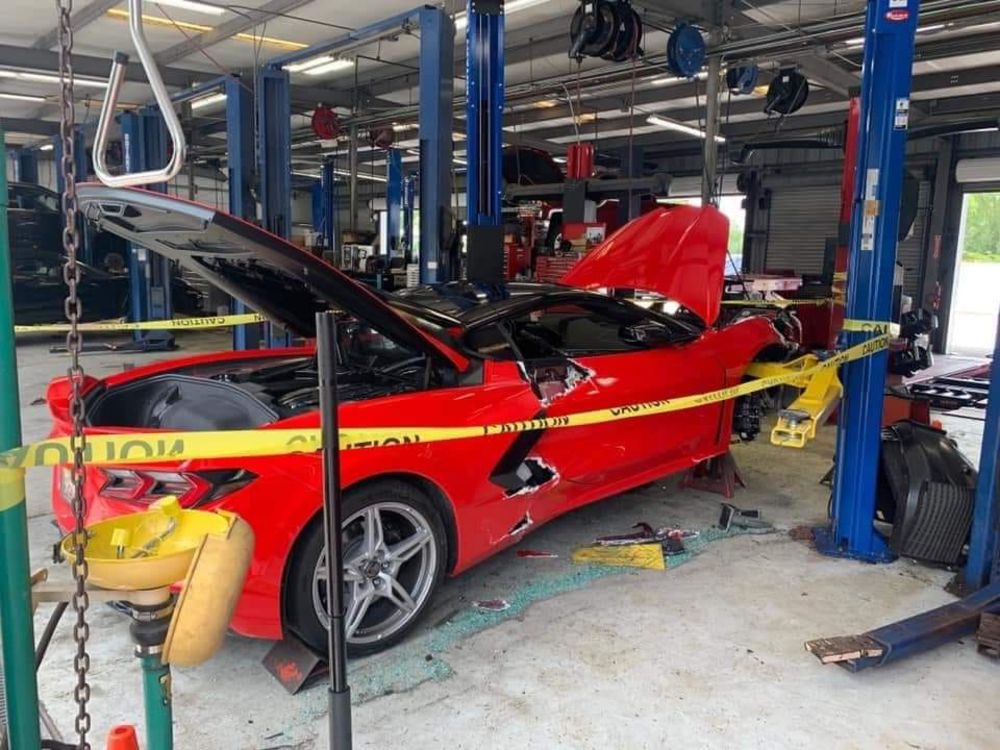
(162, 98)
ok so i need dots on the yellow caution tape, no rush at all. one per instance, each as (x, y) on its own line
(11, 487)
(782, 303)
(182, 446)
(215, 321)
(877, 327)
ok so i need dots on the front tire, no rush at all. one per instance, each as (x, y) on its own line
(395, 552)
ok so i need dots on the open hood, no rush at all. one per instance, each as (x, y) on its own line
(265, 272)
(678, 252)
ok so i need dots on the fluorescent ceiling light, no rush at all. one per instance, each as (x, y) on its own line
(680, 127)
(207, 101)
(461, 20)
(667, 80)
(24, 75)
(361, 175)
(858, 41)
(402, 127)
(584, 117)
(329, 67)
(23, 97)
(932, 27)
(559, 159)
(192, 5)
(312, 62)
(545, 104)
(46, 147)
(122, 15)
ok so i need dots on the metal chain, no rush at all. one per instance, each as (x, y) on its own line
(73, 308)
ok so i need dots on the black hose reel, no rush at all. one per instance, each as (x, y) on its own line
(609, 29)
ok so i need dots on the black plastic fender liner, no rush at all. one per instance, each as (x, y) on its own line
(927, 492)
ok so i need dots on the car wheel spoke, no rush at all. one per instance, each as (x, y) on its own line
(374, 540)
(396, 593)
(409, 547)
(357, 610)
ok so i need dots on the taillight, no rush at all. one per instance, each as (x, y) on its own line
(145, 487)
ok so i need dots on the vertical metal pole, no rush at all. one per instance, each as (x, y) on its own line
(847, 183)
(437, 76)
(26, 166)
(409, 199)
(885, 92)
(712, 103)
(328, 188)
(339, 691)
(352, 167)
(484, 78)
(158, 702)
(274, 159)
(240, 162)
(393, 198)
(984, 543)
(17, 635)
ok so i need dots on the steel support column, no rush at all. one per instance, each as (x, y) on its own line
(26, 166)
(144, 146)
(393, 199)
(240, 164)
(484, 138)
(409, 206)
(984, 543)
(328, 200)
(17, 638)
(885, 92)
(274, 160)
(712, 108)
(437, 75)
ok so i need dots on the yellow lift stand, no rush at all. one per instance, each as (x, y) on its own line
(136, 559)
(798, 423)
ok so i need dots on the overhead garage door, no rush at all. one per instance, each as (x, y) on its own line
(802, 218)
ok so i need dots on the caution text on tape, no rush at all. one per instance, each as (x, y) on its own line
(158, 447)
(215, 321)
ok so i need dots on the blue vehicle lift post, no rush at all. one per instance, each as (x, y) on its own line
(983, 562)
(328, 204)
(437, 40)
(26, 165)
(393, 199)
(885, 96)
(144, 147)
(484, 101)
(409, 219)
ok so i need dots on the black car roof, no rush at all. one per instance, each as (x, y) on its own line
(468, 302)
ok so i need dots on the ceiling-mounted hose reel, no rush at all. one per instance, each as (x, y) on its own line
(742, 79)
(686, 51)
(609, 29)
(787, 93)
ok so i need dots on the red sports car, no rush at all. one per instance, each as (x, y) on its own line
(452, 354)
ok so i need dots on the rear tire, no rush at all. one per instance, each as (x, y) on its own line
(389, 575)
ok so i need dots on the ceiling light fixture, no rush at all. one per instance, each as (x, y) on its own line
(329, 67)
(46, 147)
(461, 20)
(545, 104)
(312, 62)
(668, 80)
(207, 101)
(122, 15)
(680, 127)
(192, 5)
(23, 98)
(27, 75)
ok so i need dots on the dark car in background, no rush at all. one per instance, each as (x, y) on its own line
(35, 232)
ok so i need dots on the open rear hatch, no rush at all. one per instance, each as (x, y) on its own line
(267, 273)
(678, 252)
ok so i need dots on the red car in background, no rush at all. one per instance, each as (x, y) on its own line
(452, 354)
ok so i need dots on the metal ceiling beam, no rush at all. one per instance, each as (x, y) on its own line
(246, 20)
(78, 20)
(978, 103)
(828, 73)
(95, 67)
(29, 126)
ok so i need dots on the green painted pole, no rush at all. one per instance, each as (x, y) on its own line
(157, 696)
(16, 626)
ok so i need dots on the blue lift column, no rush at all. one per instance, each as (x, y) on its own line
(409, 206)
(144, 146)
(885, 101)
(983, 564)
(437, 75)
(393, 199)
(240, 163)
(274, 161)
(484, 139)
(26, 166)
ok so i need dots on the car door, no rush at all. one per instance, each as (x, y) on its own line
(585, 352)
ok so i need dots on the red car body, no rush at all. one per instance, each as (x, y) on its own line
(677, 252)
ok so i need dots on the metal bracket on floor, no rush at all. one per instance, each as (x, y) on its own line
(719, 475)
(914, 635)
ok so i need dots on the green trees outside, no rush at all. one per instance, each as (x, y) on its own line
(982, 228)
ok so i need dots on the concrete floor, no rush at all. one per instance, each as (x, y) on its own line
(707, 655)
